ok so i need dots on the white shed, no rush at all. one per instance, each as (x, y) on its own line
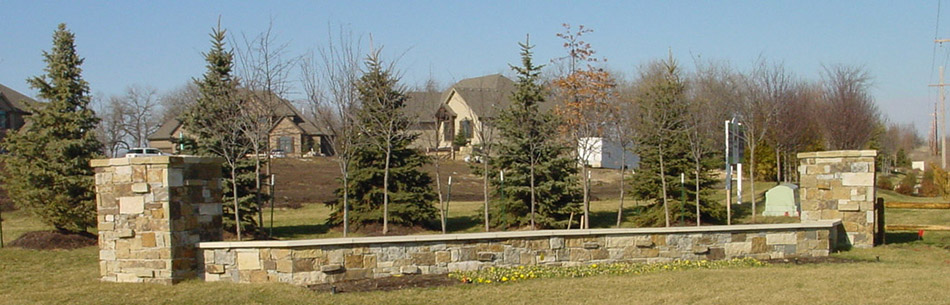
(603, 153)
(782, 200)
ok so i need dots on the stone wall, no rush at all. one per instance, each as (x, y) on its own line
(304, 262)
(840, 185)
(151, 213)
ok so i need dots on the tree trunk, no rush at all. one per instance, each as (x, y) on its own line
(438, 186)
(778, 166)
(485, 189)
(532, 196)
(237, 210)
(257, 185)
(666, 207)
(623, 166)
(386, 189)
(586, 172)
(346, 203)
(699, 217)
(752, 180)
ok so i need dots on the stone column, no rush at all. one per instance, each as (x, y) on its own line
(840, 185)
(151, 213)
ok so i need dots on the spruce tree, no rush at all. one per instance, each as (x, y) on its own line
(539, 188)
(215, 119)
(47, 167)
(386, 184)
(664, 150)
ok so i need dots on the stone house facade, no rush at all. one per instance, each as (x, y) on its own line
(294, 134)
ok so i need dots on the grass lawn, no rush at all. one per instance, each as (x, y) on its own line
(909, 272)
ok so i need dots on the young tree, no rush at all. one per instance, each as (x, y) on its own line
(335, 102)
(47, 167)
(662, 143)
(585, 90)
(384, 167)
(535, 164)
(215, 120)
(265, 69)
(768, 87)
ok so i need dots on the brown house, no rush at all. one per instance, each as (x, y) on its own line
(14, 108)
(294, 134)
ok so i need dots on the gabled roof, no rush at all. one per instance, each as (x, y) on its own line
(16, 99)
(284, 109)
(165, 131)
(422, 106)
(485, 95)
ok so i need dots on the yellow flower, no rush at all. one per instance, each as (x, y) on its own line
(504, 279)
(488, 281)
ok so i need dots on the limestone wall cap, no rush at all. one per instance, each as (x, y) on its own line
(838, 154)
(821, 224)
(171, 160)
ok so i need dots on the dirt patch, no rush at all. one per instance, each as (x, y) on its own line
(387, 283)
(811, 260)
(49, 240)
(313, 180)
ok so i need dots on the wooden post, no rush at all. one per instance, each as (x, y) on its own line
(879, 213)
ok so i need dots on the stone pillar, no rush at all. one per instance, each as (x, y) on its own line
(151, 213)
(840, 185)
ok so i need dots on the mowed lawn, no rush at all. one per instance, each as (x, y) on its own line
(910, 271)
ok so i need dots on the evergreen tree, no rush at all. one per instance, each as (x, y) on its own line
(539, 188)
(216, 121)
(385, 185)
(47, 167)
(664, 150)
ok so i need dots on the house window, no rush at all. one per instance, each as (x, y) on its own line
(448, 131)
(3, 120)
(286, 144)
(465, 129)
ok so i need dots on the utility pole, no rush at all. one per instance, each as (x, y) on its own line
(941, 122)
(943, 114)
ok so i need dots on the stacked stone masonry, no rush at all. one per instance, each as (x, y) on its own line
(840, 185)
(151, 213)
(305, 262)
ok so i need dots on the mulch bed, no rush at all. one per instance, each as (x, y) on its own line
(387, 283)
(50, 240)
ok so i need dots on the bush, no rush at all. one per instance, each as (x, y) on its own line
(906, 186)
(884, 182)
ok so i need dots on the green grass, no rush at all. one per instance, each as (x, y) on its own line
(911, 273)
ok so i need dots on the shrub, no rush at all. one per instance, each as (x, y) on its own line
(884, 182)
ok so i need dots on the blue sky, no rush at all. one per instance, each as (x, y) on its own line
(159, 43)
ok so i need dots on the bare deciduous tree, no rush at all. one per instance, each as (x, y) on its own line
(335, 101)
(264, 67)
(140, 113)
(849, 113)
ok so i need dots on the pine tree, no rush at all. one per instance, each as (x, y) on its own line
(664, 150)
(47, 167)
(215, 119)
(385, 185)
(539, 188)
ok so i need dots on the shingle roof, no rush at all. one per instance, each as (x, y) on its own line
(422, 106)
(486, 95)
(284, 109)
(16, 99)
